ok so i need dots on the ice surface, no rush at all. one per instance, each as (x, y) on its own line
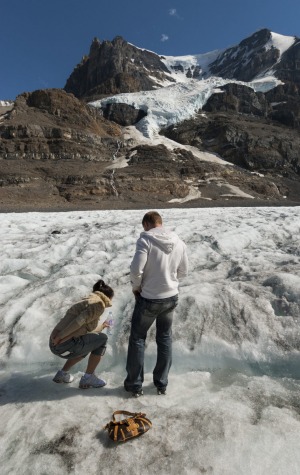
(233, 398)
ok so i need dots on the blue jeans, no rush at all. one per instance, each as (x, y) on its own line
(144, 314)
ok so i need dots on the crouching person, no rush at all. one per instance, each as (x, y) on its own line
(79, 333)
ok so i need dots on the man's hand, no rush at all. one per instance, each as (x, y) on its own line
(136, 293)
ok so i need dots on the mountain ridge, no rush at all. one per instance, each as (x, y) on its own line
(264, 46)
(137, 129)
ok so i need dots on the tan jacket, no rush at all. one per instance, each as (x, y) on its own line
(83, 317)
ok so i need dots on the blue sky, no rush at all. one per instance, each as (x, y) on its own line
(41, 41)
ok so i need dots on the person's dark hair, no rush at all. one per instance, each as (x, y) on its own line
(153, 218)
(101, 286)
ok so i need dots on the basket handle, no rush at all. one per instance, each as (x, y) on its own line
(126, 413)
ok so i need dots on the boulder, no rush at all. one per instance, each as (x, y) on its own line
(239, 99)
(123, 114)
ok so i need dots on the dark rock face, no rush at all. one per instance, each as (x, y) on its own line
(284, 104)
(246, 60)
(288, 68)
(253, 144)
(123, 114)
(113, 67)
(238, 98)
(281, 104)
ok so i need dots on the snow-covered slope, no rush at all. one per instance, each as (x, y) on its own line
(179, 66)
(280, 42)
(5, 103)
(198, 65)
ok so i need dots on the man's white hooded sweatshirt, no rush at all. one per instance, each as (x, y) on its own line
(159, 261)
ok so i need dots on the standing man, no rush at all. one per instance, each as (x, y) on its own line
(159, 261)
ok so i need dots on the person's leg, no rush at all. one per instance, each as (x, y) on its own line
(94, 343)
(142, 319)
(164, 343)
(63, 375)
(75, 350)
(89, 379)
(71, 362)
(93, 362)
(65, 351)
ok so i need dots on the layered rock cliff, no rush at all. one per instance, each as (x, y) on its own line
(51, 124)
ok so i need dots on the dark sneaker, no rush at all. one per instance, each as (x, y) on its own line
(161, 391)
(91, 382)
(137, 393)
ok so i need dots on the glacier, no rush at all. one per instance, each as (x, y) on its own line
(180, 97)
(232, 406)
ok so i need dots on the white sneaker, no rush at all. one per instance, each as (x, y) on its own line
(63, 377)
(91, 382)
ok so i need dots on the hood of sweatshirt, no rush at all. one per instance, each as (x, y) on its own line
(162, 238)
(94, 297)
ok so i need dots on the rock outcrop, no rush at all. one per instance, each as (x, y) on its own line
(288, 69)
(238, 99)
(252, 143)
(280, 104)
(50, 141)
(284, 104)
(51, 124)
(113, 67)
(122, 114)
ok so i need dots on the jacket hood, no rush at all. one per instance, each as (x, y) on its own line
(95, 296)
(162, 238)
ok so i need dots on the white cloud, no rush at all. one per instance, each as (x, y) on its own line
(164, 37)
(173, 12)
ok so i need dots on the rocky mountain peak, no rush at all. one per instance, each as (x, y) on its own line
(95, 45)
(248, 59)
(113, 67)
(118, 40)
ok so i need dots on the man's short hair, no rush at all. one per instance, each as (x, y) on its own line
(153, 218)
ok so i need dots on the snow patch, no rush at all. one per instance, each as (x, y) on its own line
(280, 42)
(193, 194)
(6, 103)
(235, 191)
